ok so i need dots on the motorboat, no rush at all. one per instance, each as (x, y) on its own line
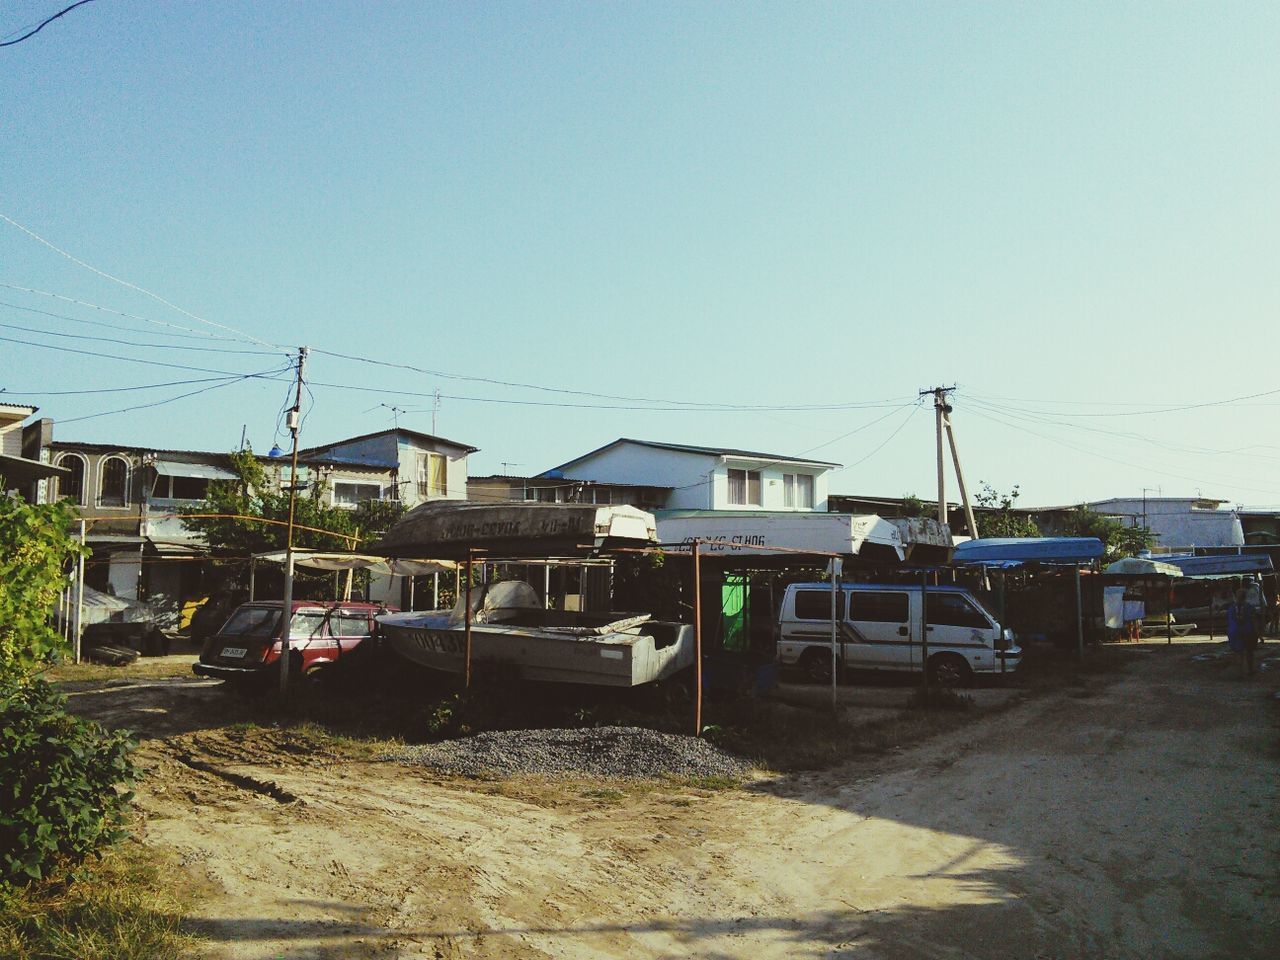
(509, 625)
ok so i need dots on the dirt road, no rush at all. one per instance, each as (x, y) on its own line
(1131, 816)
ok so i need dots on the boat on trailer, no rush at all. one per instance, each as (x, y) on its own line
(509, 621)
(509, 625)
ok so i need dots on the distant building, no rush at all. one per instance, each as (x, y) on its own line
(704, 478)
(415, 466)
(502, 487)
(1178, 524)
(23, 472)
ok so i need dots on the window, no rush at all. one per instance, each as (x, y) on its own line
(181, 488)
(744, 487)
(113, 486)
(813, 605)
(955, 610)
(788, 489)
(348, 493)
(306, 624)
(72, 485)
(433, 475)
(349, 623)
(804, 490)
(874, 606)
(252, 622)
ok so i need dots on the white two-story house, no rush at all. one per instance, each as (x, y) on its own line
(706, 478)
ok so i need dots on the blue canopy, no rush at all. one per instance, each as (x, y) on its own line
(1220, 565)
(1013, 551)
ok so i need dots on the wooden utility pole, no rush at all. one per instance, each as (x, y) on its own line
(286, 626)
(942, 418)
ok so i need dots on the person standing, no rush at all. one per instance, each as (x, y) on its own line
(1242, 631)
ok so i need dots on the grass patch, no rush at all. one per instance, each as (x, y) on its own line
(144, 668)
(124, 906)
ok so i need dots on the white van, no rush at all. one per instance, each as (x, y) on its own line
(878, 628)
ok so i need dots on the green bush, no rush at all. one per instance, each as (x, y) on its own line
(63, 781)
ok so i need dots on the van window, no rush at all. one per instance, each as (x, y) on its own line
(813, 605)
(875, 606)
(955, 610)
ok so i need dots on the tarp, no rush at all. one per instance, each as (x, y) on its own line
(1219, 565)
(206, 471)
(784, 537)
(1013, 551)
(1142, 567)
(357, 561)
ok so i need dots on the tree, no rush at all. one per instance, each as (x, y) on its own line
(996, 515)
(36, 547)
(249, 515)
(1118, 538)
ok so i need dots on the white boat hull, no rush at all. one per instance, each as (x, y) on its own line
(637, 655)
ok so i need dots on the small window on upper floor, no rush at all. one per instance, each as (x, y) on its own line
(113, 484)
(745, 487)
(351, 494)
(72, 485)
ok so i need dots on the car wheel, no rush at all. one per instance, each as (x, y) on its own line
(950, 670)
(816, 665)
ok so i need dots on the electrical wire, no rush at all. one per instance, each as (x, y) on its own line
(160, 403)
(1142, 413)
(44, 23)
(191, 335)
(111, 356)
(70, 393)
(915, 409)
(133, 286)
(133, 343)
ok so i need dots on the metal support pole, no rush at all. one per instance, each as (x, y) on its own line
(924, 633)
(412, 583)
(466, 663)
(253, 566)
(697, 640)
(835, 643)
(1168, 610)
(1079, 617)
(435, 590)
(546, 585)
(80, 591)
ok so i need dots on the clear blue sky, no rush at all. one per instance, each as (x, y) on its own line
(1072, 211)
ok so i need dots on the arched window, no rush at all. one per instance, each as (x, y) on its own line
(72, 485)
(113, 482)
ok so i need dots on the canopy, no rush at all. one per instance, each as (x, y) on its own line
(357, 561)
(513, 530)
(1013, 551)
(1219, 565)
(1142, 567)
(206, 471)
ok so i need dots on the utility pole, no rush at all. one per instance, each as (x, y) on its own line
(287, 619)
(435, 409)
(942, 418)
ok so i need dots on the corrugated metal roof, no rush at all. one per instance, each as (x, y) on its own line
(693, 448)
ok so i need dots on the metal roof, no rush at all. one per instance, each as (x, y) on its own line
(692, 448)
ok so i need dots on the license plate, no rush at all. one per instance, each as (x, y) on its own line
(234, 651)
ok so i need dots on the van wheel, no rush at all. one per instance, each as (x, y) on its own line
(816, 665)
(950, 670)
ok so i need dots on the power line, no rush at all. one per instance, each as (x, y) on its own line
(190, 331)
(111, 356)
(45, 23)
(160, 403)
(915, 409)
(1142, 413)
(133, 343)
(70, 393)
(132, 286)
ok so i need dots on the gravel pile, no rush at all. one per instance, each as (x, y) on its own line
(630, 752)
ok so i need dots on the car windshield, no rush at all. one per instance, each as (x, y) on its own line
(253, 622)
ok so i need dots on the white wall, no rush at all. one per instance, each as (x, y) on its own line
(683, 470)
(122, 574)
(456, 481)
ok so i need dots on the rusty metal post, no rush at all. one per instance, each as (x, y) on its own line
(466, 662)
(924, 633)
(1168, 610)
(697, 641)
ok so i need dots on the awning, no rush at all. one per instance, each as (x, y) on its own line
(1013, 551)
(1142, 567)
(205, 471)
(21, 470)
(358, 561)
(1219, 565)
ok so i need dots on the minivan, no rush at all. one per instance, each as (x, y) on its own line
(878, 628)
(322, 634)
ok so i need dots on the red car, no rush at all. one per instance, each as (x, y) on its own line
(323, 633)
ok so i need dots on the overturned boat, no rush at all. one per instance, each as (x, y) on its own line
(510, 626)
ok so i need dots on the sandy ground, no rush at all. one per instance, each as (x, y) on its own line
(1133, 815)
